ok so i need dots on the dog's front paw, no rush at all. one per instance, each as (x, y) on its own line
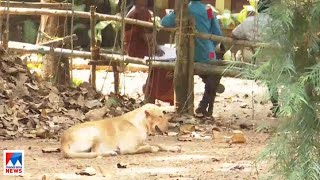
(154, 149)
(175, 149)
(109, 153)
(113, 153)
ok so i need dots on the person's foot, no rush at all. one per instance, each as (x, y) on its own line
(275, 110)
(201, 112)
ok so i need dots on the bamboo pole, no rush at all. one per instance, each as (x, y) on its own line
(203, 69)
(232, 41)
(37, 5)
(123, 29)
(79, 14)
(38, 12)
(59, 41)
(6, 31)
(199, 68)
(94, 52)
(181, 69)
(232, 63)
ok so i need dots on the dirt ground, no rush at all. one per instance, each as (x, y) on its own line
(243, 102)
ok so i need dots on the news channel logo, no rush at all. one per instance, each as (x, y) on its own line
(13, 162)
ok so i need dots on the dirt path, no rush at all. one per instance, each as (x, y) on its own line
(199, 160)
(206, 159)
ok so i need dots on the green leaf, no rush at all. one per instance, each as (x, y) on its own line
(253, 3)
(102, 24)
(80, 7)
(113, 5)
(242, 15)
(116, 25)
(99, 36)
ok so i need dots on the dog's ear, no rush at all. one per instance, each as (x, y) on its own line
(147, 113)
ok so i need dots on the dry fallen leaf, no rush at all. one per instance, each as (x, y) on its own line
(121, 166)
(53, 97)
(31, 86)
(187, 128)
(26, 135)
(93, 104)
(196, 135)
(184, 138)
(51, 150)
(42, 133)
(238, 137)
(81, 102)
(76, 114)
(89, 171)
(172, 133)
(44, 113)
(244, 105)
(96, 114)
(238, 167)
(46, 110)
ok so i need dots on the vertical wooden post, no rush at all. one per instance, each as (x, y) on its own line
(123, 29)
(116, 77)
(181, 80)
(6, 31)
(93, 46)
(191, 66)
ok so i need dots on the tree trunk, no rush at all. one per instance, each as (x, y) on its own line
(54, 68)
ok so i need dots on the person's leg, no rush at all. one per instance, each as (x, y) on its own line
(215, 84)
(207, 95)
(274, 99)
(147, 88)
(207, 102)
(203, 104)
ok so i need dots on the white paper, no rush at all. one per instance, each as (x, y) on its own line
(169, 54)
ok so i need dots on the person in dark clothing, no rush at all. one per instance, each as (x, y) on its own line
(137, 38)
(138, 43)
(130, 4)
(206, 22)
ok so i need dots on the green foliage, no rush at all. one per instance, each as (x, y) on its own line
(227, 18)
(293, 69)
(76, 82)
(102, 25)
(80, 7)
(29, 31)
(113, 5)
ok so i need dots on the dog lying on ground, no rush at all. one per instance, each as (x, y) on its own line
(126, 134)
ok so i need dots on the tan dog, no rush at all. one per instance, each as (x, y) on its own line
(126, 134)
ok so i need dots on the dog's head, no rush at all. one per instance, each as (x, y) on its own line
(156, 120)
